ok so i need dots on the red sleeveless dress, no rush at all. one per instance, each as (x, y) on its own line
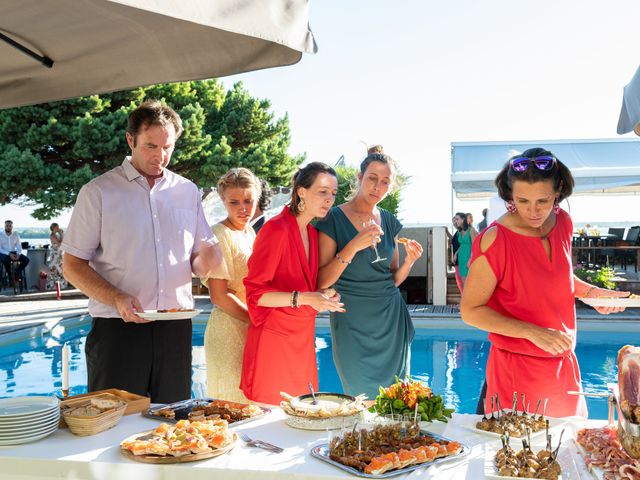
(532, 288)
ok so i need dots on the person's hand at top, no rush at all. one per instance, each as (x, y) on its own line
(127, 306)
(597, 292)
(367, 237)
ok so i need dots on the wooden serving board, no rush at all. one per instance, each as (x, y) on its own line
(192, 457)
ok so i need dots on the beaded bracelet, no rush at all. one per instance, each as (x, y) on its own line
(342, 260)
(294, 299)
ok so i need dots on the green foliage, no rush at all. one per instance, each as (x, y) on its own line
(413, 398)
(49, 151)
(348, 183)
(600, 277)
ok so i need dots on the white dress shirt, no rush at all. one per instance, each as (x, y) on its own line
(10, 243)
(139, 239)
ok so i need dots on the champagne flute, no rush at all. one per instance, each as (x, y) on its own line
(374, 245)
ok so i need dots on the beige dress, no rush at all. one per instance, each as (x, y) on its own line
(225, 336)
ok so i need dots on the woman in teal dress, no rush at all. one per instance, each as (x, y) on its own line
(466, 236)
(372, 338)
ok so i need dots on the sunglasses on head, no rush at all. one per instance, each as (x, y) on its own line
(544, 162)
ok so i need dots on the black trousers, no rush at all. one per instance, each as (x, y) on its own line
(6, 261)
(483, 394)
(151, 359)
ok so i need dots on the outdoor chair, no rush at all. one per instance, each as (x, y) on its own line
(20, 282)
(632, 239)
(611, 254)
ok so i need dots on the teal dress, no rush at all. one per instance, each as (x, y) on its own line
(464, 252)
(372, 339)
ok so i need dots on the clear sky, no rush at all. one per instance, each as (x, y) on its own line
(415, 76)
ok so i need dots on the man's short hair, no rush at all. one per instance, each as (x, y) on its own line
(153, 112)
(8, 221)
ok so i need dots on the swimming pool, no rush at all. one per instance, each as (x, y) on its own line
(450, 358)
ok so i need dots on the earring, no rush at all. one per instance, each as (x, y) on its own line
(511, 207)
(556, 207)
(301, 206)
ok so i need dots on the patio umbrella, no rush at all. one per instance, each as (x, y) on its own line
(57, 49)
(630, 113)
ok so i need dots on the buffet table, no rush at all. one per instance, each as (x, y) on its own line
(64, 455)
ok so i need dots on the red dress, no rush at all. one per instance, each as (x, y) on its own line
(280, 351)
(533, 289)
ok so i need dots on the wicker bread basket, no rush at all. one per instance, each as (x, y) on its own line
(83, 424)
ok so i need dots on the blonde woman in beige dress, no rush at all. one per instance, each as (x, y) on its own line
(226, 330)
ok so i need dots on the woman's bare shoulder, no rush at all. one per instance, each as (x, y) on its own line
(488, 237)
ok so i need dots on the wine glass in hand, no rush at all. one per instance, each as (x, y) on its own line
(374, 245)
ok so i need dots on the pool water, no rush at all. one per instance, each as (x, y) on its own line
(450, 360)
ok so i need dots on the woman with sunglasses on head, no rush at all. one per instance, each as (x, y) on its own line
(282, 299)
(359, 252)
(521, 288)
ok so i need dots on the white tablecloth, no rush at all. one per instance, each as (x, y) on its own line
(64, 455)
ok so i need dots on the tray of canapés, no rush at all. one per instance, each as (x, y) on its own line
(529, 462)
(186, 441)
(379, 450)
(194, 409)
(516, 422)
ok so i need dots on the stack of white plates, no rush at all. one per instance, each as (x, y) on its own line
(26, 419)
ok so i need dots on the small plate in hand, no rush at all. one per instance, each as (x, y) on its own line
(166, 315)
(633, 301)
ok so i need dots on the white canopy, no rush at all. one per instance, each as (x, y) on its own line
(598, 166)
(82, 47)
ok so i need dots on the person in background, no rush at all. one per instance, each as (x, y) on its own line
(483, 223)
(521, 288)
(259, 217)
(466, 236)
(372, 339)
(455, 247)
(54, 261)
(226, 332)
(470, 220)
(136, 235)
(282, 299)
(11, 251)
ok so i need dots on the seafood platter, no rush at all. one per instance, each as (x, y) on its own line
(384, 450)
(186, 441)
(516, 423)
(322, 410)
(207, 409)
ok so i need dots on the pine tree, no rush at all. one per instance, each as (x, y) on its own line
(49, 151)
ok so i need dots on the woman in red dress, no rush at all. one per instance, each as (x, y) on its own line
(521, 288)
(280, 351)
